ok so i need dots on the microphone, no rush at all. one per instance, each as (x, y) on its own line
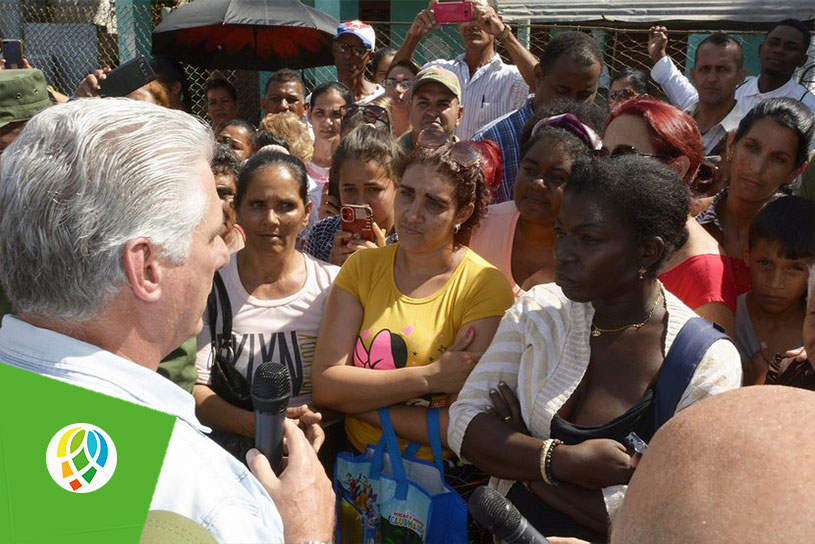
(500, 517)
(271, 389)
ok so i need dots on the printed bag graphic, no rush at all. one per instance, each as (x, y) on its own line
(385, 496)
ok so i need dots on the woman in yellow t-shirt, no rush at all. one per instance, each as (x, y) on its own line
(413, 307)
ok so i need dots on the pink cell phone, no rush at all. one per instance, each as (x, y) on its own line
(453, 12)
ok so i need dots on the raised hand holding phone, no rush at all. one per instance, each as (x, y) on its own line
(128, 77)
(453, 12)
(358, 220)
(13, 54)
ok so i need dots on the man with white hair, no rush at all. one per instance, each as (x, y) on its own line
(122, 224)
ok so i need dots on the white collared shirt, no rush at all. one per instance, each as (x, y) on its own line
(198, 478)
(494, 90)
(748, 94)
(682, 94)
(714, 135)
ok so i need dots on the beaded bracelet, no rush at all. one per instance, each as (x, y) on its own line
(546, 461)
(544, 451)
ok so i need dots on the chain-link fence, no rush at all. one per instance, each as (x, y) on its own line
(68, 39)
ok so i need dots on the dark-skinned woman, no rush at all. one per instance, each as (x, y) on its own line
(573, 366)
(518, 236)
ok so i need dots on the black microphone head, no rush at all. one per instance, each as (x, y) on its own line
(271, 388)
(494, 512)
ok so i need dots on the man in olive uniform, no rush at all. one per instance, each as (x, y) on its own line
(23, 94)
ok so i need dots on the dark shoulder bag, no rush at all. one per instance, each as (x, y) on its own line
(225, 379)
(687, 350)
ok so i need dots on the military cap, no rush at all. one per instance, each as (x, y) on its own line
(23, 95)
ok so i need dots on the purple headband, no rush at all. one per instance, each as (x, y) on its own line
(570, 122)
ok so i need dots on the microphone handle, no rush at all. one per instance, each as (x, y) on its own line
(269, 437)
(525, 533)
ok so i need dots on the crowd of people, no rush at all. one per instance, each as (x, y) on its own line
(551, 264)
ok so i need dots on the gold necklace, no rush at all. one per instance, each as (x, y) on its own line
(597, 331)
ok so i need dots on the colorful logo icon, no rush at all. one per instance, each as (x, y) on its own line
(81, 458)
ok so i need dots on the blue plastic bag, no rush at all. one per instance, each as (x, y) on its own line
(387, 497)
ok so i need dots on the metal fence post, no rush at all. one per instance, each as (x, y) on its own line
(135, 28)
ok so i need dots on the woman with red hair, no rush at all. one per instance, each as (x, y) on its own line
(698, 273)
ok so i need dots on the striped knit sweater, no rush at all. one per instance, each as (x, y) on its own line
(541, 350)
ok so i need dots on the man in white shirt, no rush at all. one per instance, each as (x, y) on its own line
(783, 50)
(489, 87)
(717, 72)
(112, 203)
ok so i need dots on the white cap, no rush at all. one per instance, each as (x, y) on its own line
(363, 31)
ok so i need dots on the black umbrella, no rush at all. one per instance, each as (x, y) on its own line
(247, 34)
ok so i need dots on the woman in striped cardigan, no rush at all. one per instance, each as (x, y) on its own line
(573, 366)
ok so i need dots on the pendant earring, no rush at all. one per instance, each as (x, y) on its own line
(641, 272)
(458, 226)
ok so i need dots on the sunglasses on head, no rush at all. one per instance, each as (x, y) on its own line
(436, 139)
(621, 150)
(370, 113)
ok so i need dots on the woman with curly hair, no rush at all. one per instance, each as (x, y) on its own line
(406, 308)
(578, 364)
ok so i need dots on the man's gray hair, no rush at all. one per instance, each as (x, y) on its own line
(82, 180)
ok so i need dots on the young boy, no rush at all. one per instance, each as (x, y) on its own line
(769, 318)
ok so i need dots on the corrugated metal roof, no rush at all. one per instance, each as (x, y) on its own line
(643, 11)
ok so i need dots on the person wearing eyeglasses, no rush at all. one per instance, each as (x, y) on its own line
(398, 83)
(353, 48)
(398, 316)
(698, 272)
(518, 236)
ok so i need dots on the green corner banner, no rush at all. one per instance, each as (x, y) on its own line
(76, 466)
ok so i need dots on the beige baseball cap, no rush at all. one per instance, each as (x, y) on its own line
(440, 75)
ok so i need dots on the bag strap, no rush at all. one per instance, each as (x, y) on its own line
(391, 444)
(434, 434)
(222, 344)
(687, 350)
(411, 450)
